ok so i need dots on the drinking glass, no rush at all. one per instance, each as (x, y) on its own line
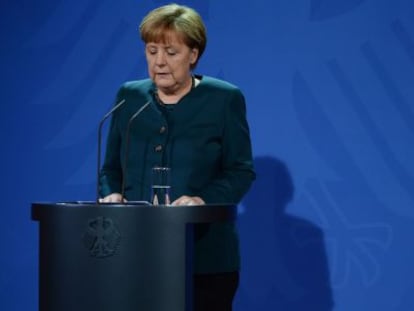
(160, 185)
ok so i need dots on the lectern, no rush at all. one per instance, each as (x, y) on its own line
(118, 257)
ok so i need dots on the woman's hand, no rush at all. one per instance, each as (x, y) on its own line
(187, 200)
(112, 198)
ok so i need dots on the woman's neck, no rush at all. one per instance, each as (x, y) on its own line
(172, 97)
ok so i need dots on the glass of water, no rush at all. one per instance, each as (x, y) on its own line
(160, 185)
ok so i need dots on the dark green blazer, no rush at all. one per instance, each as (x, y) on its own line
(204, 139)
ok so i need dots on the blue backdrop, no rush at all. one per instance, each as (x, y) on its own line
(329, 223)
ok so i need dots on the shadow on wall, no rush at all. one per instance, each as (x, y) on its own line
(284, 264)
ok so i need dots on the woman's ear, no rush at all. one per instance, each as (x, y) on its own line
(194, 56)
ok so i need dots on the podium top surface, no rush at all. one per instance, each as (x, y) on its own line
(184, 214)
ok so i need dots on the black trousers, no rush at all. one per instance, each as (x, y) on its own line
(215, 292)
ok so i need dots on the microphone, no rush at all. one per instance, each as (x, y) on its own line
(128, 130)
(106, 116)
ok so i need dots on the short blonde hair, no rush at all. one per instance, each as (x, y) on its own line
(179, 19)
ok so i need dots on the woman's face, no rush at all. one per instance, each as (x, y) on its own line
(169, 63)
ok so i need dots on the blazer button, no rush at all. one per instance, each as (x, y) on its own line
(162, 129)
(158, 148)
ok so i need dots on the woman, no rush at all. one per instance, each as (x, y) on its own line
(194, 124)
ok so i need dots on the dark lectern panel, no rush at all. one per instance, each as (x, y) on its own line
(118, 257)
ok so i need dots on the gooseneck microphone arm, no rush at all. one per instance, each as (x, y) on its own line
(127, 138)
(98, 162)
